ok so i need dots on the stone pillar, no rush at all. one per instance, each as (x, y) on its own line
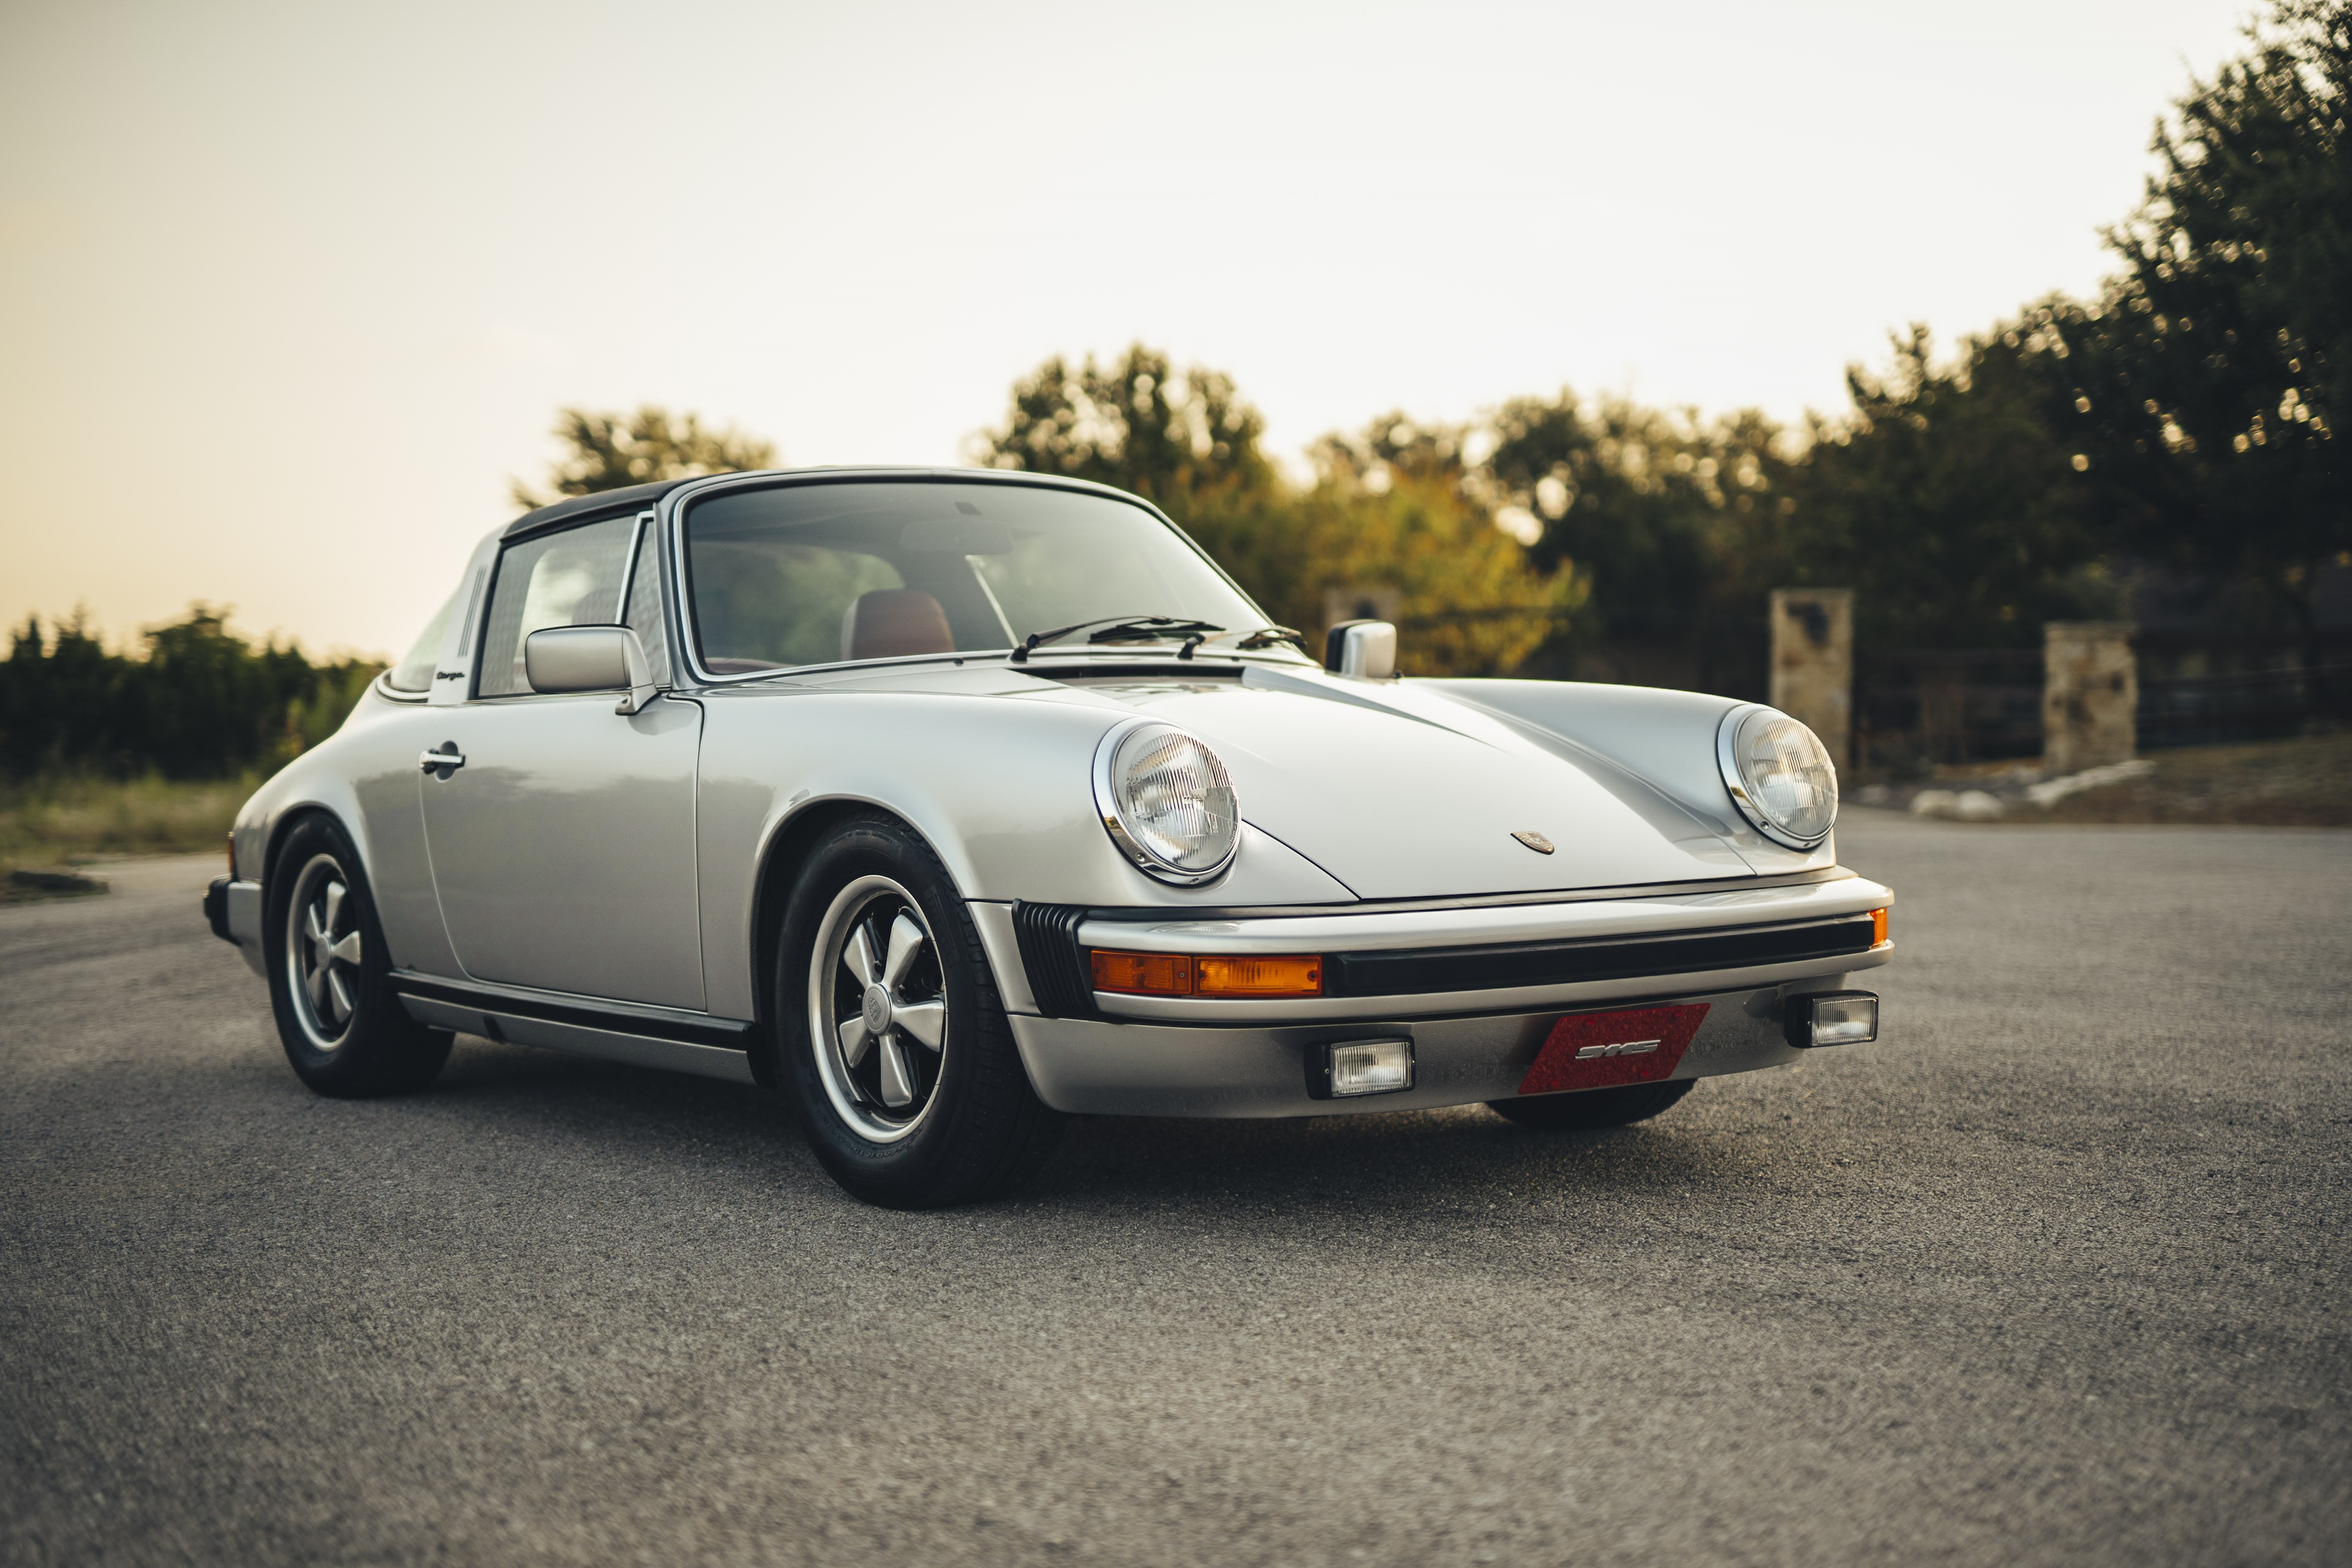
(2090, 695)
(1812, 662)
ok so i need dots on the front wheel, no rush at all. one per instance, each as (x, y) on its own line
(330, 976)
(1589, 1108)
(895, 1049)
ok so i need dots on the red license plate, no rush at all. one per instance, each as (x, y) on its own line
(1600, 1050)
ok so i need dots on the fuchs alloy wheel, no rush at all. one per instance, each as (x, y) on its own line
(323, 947)
(878, 1009)
(343, 1030)
(894, 1047)
(1594, 1108)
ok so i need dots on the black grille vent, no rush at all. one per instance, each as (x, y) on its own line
(1058, 976)
(1422, 970)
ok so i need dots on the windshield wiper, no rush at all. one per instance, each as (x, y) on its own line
(1117, 629)
(1152, 627)
(1266, 637)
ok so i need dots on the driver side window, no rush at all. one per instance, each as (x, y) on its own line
(567, 579)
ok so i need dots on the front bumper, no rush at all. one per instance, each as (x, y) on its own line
(1477, 991)
(233, 908)
(1103, 1068)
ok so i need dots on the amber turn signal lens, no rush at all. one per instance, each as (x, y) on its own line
(1877, 927)
(1289, 975)
(1143, 974)
(1180, 975)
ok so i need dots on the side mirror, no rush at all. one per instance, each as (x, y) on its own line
(1365, 648)
(590, 658)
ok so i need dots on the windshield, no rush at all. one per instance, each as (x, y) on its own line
(811, 573)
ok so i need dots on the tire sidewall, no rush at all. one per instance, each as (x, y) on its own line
(905, 1171)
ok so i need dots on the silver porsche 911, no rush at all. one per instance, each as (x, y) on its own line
(947, 804)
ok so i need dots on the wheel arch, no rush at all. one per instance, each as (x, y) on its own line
(781, 859)
(304, 789)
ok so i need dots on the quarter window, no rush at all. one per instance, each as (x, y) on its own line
(567, 579)
(415, 673)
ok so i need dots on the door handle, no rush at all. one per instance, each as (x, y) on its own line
(445, 761)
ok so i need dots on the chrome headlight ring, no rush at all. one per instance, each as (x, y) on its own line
(1786, 805)
(1153, 783)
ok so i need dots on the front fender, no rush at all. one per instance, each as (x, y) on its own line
(1001, 789)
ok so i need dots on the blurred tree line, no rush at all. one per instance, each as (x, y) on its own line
(2183, 422)
(201, 702)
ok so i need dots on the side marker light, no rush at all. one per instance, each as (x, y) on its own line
(1143, 974)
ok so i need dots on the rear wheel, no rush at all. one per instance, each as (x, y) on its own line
(895, 1050)
(1594, 1106)
(330, 976)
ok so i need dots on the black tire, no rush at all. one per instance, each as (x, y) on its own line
(1594, 1106)
(374, 1046)
(973, 1126)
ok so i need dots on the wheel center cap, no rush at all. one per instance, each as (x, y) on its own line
(878, 1009)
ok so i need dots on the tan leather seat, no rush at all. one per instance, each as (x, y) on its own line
(892, 623)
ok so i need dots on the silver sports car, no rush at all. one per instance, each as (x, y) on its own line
(948, 803)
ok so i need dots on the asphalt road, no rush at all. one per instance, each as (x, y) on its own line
(2057, 1274)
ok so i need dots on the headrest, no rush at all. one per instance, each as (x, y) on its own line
(891, 622)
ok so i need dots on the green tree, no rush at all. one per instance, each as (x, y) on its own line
(611, 451)
(1137, 422)
(1652, 504)
(60, 698)
(2205, 389)
(1944, 498)
(1400, 505)
(1186, 440)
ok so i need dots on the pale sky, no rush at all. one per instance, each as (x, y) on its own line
(288, 292)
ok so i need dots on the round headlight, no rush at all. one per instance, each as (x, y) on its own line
(1780, 774)
(1166, 800)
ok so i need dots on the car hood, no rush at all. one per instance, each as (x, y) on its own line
(1402, 794)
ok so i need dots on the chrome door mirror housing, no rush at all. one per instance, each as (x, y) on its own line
(590, 658)
(1363, 648)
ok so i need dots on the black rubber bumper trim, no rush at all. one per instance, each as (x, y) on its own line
(1059, 975)
(727, 1033)
(217, 907)
(1426, 970)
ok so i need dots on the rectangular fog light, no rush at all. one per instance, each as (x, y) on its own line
(1833, 1018)
(1369, 1066)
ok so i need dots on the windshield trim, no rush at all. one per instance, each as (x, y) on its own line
(689, 634)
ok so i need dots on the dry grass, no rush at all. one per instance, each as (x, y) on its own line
(70, 820)
(2303, 783)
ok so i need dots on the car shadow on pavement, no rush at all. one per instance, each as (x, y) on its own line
(1413, 1156)
(645, 1119)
